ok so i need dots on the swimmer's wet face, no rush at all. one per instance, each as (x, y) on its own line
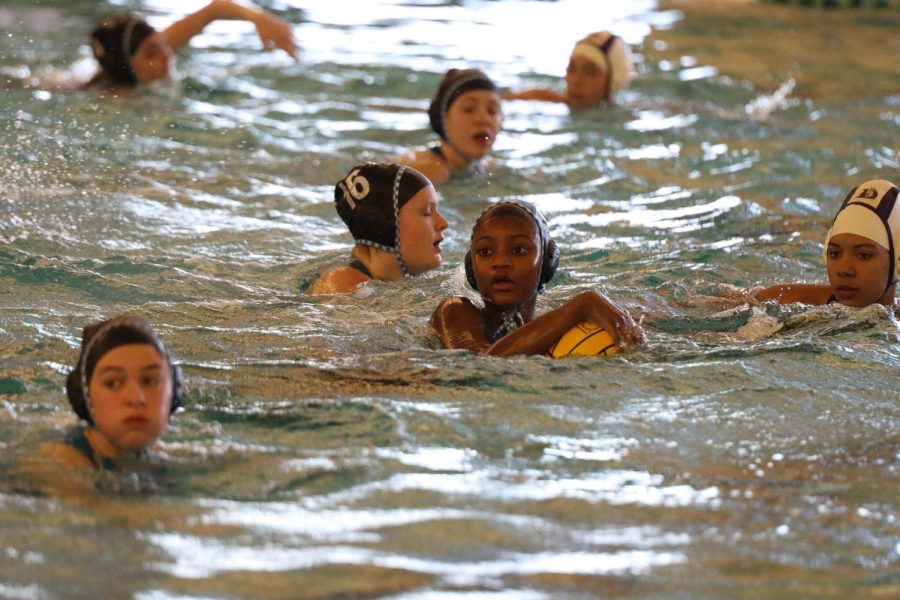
(858, 269)
(506, 259)
(473, 121)
(586, 82)
(131, 396)
(421, 228)
(153, 59)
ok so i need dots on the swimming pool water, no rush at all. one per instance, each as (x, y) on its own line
(328, 448)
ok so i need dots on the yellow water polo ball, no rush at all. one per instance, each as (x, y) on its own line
(585, 339)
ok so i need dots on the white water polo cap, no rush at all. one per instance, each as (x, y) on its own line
(610, 53)
(871, 211)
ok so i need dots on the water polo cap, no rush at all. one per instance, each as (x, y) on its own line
(527, 210)
(455, 83)
(100, 338)
(871, 211)
(115, 41)
(610, 53)
(369, 200)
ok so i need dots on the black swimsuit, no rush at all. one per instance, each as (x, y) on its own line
(436, 150)
(474, 168)
(78, 440)
(359, 266)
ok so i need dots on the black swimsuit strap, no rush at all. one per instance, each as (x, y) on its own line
(359, 266)
(436, 150)
(78, 440)
(831, 299)
(474, 168)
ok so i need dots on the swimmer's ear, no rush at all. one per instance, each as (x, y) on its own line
(470, 271)
(76, 395)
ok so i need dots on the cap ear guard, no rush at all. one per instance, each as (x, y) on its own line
(470, 271)
(549, 263)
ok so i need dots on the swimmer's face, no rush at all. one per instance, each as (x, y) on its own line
(506, 259)
(421, 227)
(131, 396)
(857, 269)
(473, 122)
(153, 59)
(586, 83)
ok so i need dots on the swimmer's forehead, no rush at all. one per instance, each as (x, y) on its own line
(520, 214)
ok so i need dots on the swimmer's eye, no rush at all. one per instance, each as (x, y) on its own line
(113, 383)
(484, 252)
(833, 254)
(864, 255)
(522, 250)
(151, 381)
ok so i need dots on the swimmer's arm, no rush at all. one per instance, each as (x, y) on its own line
(273, 32)
(541, 94)
(340, 280)
(537, 336)
(806, 293)
(459, 324)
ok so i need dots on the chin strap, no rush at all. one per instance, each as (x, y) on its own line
(511, 319)
(396, 195)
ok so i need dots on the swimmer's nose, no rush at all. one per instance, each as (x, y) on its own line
(442, 222)
(501, 261)
(846, 268)
(134, 394)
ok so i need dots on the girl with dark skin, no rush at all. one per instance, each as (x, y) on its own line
(510, 260)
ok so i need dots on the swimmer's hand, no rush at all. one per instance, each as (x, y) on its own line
(604, 312)
(275, 33)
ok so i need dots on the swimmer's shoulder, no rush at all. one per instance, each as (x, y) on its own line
(459, 324)
(428, 163)
(453, 312)
(339, 280)
(66, 455)
(789, 293)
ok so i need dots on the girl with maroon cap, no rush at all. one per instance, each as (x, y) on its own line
(392, 213)
(130, 51)
(466, 115)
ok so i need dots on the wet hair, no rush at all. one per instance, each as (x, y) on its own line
(872, 211)
(369, 200)
(100, 338)
(455, 83)
(527, 211)
(609, 52)
(115, 41)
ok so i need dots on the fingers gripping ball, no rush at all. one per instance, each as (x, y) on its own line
(585, 339)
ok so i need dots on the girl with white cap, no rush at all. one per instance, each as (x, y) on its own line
(861, 255)
(599, 66)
